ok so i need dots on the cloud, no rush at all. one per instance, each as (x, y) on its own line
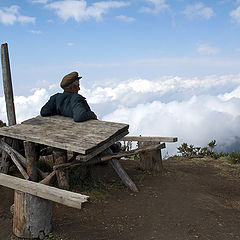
(207, 49)
(79, 11)
(125, 18)
(11, 15)
(158, 6)
(196, 110)
(70, 44)
(26, 107)
(235, 15)
(36, 32)
(40, 1)
(198, 10)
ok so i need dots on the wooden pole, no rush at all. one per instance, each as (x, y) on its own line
(32, 215)
(8, 92)
(7, 84)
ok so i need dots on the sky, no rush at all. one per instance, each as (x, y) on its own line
(167, 68)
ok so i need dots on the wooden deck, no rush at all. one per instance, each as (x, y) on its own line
(62, 132)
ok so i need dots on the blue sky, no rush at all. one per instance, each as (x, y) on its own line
(133, 55)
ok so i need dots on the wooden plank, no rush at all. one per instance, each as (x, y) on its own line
(134, 152)
(149, 139)
(123, 175)
(43, 191)
(62, 132)
(48, 178)
(14, 158)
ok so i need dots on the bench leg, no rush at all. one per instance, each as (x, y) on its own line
(123, 175)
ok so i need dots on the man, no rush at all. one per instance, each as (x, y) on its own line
(69, 103)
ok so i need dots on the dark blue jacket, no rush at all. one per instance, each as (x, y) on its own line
(69, 105)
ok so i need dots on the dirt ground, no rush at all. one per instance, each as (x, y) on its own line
(191, 199)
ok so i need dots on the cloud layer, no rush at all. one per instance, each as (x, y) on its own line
(194, 110)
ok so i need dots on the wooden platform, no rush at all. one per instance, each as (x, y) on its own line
(62, 132)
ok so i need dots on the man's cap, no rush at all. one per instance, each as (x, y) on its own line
(69, 78)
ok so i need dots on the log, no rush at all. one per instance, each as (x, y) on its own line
(8, 92)
(150, 160)
(31, 165)
(123, 175)
(7, 83)
(149, 139)
(60, 157)
(64, 197)
(32, 215)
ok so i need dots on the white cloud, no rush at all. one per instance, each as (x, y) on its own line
(70, 44)
(125, 18)
(36, 32)
(26, 107)
(235, 15)
(79, 11)
(207, 49)
(11, 15)
(198, 10)
(158, 6)
(40, 1)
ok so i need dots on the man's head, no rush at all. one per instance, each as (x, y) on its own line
(70, 82)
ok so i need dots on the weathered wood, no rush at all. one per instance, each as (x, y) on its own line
(123, 175)
(134, 152)
(31, 165)
(150, 160)
(40, 190)
(7, 83)
(47, 180)
(32, 216)
(6, 148)
(81, 137)
(149, 139)
(100, 149)
(60, 157)
(23, 161)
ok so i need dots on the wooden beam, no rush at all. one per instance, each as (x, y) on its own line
(7, 83)
(48, 178)
(14, 159)
(133, 152)
(123, 175)
(64, 197)
(7, 148)
(149, 139)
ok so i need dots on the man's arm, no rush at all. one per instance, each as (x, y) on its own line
(81, 110)
(49, 108)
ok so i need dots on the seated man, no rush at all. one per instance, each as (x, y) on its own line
(69, 103)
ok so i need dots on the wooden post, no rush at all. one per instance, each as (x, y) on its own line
(150, 160)
(8, 92)
(32, 215)
(60, 157)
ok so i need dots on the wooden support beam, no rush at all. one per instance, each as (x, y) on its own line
(123, 175)
(149, 139)
(14, 158)
(48, 178)
(7, 148)
(43, 191)
(30, 154)
(98, 159)
(133, 152)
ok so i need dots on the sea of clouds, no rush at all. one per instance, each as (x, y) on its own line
(194, 110)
